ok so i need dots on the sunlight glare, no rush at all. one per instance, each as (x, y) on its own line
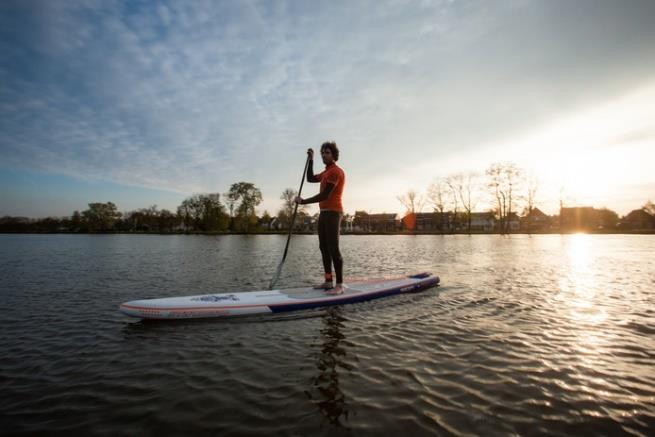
(580, 285)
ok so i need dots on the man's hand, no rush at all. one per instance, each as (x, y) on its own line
(310, 153)
(298, 199)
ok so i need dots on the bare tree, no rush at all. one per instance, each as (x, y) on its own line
(412, 201)
(503, 180)
(493, 183)
(531, 192)
(288, 205)
(453, 183)
(512, 175)
(463, 186)
(436, 196)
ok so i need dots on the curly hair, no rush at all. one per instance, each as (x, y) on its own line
(333, 149)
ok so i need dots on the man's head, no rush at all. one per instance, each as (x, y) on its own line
(329, 152)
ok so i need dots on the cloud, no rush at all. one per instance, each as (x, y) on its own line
(193, 96)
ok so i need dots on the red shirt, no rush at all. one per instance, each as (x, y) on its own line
(335, 176)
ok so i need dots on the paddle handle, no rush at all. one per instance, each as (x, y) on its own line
(293, 222)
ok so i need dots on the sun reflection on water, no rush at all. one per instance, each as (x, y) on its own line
(581, 285)
(582, 306)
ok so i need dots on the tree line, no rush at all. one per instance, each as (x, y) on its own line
(506, 188)
(504, 183)
(197, 213)
(234, 211)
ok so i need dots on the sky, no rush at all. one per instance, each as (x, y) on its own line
(147, 103)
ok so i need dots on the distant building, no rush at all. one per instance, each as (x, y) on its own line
(365, 222)
(483, 221)
(587, 218)
(429, 221)
(579, 218)
(535, 221)
(305, 223)
(513, 222)
(638, 219)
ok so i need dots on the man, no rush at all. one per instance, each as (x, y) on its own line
(332, 181)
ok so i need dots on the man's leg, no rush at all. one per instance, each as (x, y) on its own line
(325, 250)
(333, 231)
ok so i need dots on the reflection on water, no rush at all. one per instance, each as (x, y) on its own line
(581, 284)
(326, 393)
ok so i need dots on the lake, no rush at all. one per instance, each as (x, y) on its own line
(543, 334)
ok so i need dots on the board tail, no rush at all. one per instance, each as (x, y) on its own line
(420, 275)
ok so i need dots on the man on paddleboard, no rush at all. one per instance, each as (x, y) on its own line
(332, 181)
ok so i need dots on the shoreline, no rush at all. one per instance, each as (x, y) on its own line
(581, 231)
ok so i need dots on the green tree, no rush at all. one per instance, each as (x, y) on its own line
(167, 221)
(214, 217)
(203, 212)
(607, 219)
(144, 219)
(76, 223)
(265, 220)
(246, 197)
(101, 217)
(189, 211)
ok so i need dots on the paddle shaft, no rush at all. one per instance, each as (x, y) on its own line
(293, 221)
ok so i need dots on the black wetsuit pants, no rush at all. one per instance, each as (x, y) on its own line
(329, 223)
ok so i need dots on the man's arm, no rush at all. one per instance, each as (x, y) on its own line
(323, 195)
(310, 172)
(310, 167)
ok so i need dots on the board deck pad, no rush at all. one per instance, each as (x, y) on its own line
(273, 301)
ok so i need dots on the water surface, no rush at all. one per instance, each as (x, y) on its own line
(530, 335)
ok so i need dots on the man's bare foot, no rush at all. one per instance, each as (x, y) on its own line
(324, 286)
(338, 289)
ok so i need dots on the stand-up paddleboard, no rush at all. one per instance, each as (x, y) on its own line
(273, 301)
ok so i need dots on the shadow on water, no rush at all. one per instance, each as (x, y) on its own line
(325, 392)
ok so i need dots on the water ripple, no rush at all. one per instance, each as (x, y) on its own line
(528, 335)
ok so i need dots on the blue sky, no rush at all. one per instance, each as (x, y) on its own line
(145, 103)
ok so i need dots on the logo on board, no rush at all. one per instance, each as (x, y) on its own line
(216, 298)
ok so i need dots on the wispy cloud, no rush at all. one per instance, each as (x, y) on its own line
(192, 96)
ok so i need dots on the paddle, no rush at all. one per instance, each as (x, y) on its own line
(293, 221)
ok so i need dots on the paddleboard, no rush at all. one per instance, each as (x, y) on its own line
(273, 301)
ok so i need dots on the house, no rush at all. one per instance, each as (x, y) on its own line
(587, 218)
(429, 221)
(513, 222)
(579, 218)
(535, 220)
(483, 221)
(420, 221)
(305, 223)
(365, 222)
(638, 219)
